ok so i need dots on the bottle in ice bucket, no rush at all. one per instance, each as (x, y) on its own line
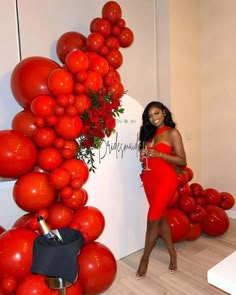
(47, 233)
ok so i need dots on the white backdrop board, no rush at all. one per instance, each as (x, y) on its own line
(116, 189)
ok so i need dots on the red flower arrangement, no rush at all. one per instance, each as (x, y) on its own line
(99, 121)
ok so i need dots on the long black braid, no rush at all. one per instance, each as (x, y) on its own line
(147, 130)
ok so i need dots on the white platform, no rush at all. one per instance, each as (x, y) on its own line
(223, 274)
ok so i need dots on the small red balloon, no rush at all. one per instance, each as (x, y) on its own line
(227, 200)
(60, 81)
(24, 122)
(69, 127)
(59, 216)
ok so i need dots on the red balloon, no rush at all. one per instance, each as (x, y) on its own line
(49, 159)
(182, 178)
(93, 82)
(24, 122)
(227, 200)
(198, 214)
(82, 102)
(33, 191)
(97, 268)
(69, 127)
(8, 285)
(187, 204)
(60, 81)
(116, 89)
(90, 222)
(2, 229)
(196, 189)
(95, 41)
(77, 200)
(194, 232)
(179, 224)
(24, 220)
(29, 79)
(184, 190)
(189, 172)
(68, 42)
(111, 11)
(77, 61)
(59, 216)
(44, 137)
(114, 58)
(77, 168)
(18, 154)
(212, 196)
(16, 247)
(102, 26)
(126, 37)
(33, 284)
(112, 43)
(216, 222)
(59, 178)
(173, 200)
(43, 106)
(100, 65)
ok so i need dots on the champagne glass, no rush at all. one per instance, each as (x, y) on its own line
(146, 168)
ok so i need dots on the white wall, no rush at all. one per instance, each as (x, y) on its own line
(218, 95)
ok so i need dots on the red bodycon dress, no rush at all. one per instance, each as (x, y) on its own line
(160, 182)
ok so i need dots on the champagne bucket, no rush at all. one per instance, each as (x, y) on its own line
(58, 261)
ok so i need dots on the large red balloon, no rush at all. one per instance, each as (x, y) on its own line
(29, 79)
(216, 222)
(97, 268)
(18, 154)
(68, 42)
(33, 191)
(179, 224)
(24, 122)
(90, 222)
(16, 251)
(33, 284)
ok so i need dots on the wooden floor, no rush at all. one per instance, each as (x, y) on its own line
(194, 260)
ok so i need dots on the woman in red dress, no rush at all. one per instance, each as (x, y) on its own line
(161, 149)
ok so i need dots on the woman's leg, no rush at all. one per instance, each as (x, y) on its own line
(150, 241)
(165, 232)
